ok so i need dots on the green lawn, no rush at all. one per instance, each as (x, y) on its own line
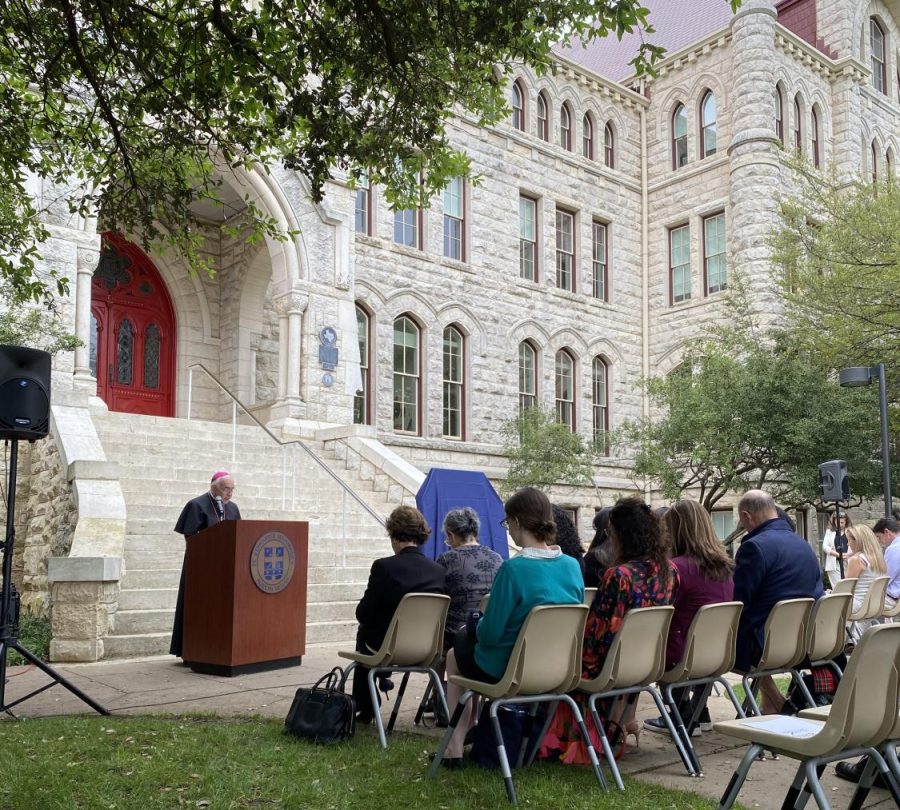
(209, 762)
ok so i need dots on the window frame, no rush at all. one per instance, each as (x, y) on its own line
(600, 410)
(525, 347)
(609, 146)
(518, 120)
(542, 117)
(873, 157)
(779, 115)
(561, 404)
(598, 225)
(459, 384)
(798, 124)
(364, 192)
(679, 142)
(707, 126)
(418, 224)
(417, 376)
(587, 136)
(365, 361)
(565, 131)
(707, 287)
(878, 66)
(815, 137)
(686, 227)
(452, 219)
(561, 253)
(533, 243)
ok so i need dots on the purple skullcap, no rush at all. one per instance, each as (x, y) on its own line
(218, 475)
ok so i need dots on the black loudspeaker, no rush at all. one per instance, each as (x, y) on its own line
(24, 393)
(834, 481)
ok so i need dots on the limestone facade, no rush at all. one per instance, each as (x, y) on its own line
(256, 325)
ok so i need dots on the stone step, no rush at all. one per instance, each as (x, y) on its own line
(317, 612)
(147, 598)
(140, 579)
(149, 559)
(137, 645)
(332, 632)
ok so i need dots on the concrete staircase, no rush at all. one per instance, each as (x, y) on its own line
(165, 462)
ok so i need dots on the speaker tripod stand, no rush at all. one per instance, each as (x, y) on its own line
(9, 620)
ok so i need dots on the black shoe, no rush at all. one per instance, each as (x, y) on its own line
(364, 718)
(853, 771)
(450, 763)
(385, 685)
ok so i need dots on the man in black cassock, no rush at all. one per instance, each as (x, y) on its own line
(198, 514)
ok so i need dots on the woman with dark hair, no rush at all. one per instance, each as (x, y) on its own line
(540, 575)
(470, 568)
(704, 571)
(641, 576)
(596, 560)
(408, 570)
(567, 536)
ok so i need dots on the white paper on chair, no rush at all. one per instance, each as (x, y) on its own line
(789, 726)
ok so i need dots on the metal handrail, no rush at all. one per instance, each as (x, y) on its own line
(311, 453)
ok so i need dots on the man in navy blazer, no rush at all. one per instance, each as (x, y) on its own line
(773, 563)
(391, 578)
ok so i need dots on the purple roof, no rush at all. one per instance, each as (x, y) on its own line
(678, 23)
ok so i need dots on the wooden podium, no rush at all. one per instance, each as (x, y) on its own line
(245, 596)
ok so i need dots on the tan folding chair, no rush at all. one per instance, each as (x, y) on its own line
(825, 634)
(635, 661)
(709, 651)
(873, 605)
(890, 613)
(784, 647)
(544, 666)
(862, 717)
(845, 585)
(413, 643)
(589, 594)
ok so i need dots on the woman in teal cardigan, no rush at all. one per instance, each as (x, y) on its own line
(540, 575)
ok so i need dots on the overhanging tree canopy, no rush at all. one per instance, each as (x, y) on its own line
(131, 107)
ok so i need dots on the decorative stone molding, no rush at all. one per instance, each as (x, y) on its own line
(292, 303)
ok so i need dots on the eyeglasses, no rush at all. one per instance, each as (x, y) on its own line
(505, 523)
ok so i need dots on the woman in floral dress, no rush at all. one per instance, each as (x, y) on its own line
(642, 576)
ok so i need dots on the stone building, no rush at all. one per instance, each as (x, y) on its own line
(608, 217)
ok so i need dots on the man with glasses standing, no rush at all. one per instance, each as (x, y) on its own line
(198, 514)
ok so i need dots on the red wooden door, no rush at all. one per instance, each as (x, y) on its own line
(132, 332)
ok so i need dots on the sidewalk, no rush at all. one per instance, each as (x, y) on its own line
(161, 685)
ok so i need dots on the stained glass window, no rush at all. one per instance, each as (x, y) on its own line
(151, 357)
(125, 353)
(112, 268)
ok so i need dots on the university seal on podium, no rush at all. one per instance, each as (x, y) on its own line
(272, 562)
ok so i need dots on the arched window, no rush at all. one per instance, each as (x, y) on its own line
(453, 383)
(407, 378)
(889, 166)
(877, 55)
(600, 405)
(609, 146)
(708, 115)
(565, 389)
(361, 399)
(815, 141)
(565, 127)
(125, 353)
(542, 123)
(679, 137)
(873, 152)
(151, 356)
(587, 137)
(518, 107)
(798, 125)
(779, 115)
(527, 376)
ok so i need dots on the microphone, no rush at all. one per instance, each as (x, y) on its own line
(221, 507)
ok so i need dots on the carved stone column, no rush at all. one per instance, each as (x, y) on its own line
(290, 309)
(87, 262)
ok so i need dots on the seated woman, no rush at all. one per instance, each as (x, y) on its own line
(865, 562)
(641, 576)
(540, 575)
(408, 570)
(567, 536)
(596, 558)
(704, 572)
(470, 568)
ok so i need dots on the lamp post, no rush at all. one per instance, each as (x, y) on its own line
(862, 375)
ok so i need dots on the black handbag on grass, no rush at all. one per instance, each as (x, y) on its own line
(323, 713)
